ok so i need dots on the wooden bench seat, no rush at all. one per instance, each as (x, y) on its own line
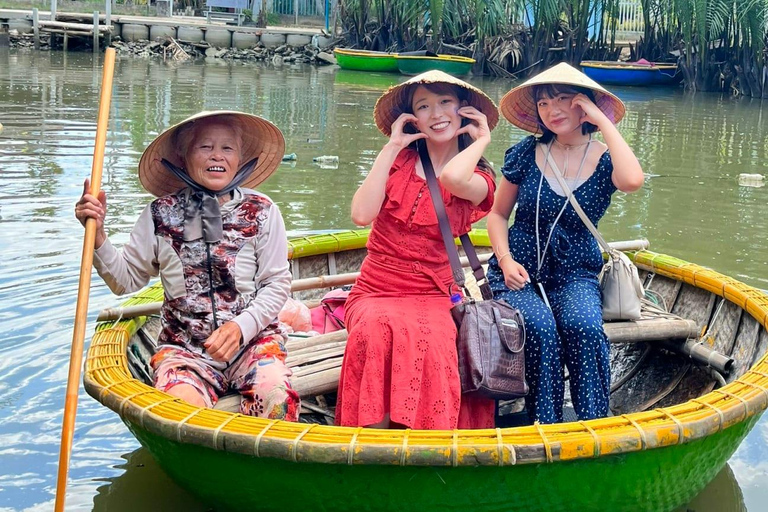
(316, 361)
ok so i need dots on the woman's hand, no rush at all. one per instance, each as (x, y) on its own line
(399, 138)
(478, 126)
(590, 112)
(90, 207)
(224, 342)
(515, 275)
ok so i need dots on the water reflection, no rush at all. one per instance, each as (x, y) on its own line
(721, 495)
(692, 207)
(142, 481)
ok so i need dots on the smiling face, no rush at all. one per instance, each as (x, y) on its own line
(212, 157)
(435, 112)
(555, 111)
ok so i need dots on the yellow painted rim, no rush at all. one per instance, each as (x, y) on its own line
(354, 53)
(451, 58)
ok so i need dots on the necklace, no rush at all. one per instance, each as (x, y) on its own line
(568, 147)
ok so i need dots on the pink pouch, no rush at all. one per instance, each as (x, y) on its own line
(329, 315)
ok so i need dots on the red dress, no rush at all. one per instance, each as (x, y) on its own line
(401, 353)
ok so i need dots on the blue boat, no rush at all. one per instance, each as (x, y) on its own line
(641, 73)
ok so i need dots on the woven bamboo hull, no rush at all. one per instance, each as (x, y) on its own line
(452, 64)
(648, 481)
(653, 460)
(614, 73)
(362, 60)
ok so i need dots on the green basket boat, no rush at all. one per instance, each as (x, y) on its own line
(416, 64)
(675, 423)
(364, 60)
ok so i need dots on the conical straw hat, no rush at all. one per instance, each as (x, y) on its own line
(260, 139)
(519, 105)
(391, 104)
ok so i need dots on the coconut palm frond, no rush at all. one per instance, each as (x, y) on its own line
(505, 53)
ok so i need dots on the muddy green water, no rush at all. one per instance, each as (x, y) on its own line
(692, 147)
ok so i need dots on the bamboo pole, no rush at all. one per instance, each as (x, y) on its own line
(81, 310)
(312, 283)
(297, 285)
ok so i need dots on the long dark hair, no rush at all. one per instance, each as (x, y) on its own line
(442, 88)
(551, 91)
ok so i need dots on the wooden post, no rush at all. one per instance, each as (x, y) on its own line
(54, 37)
(36, 27)
(95, 31)
(5, 38)
(108, 23)
(65, 42)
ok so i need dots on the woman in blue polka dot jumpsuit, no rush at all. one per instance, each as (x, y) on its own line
(554, 282)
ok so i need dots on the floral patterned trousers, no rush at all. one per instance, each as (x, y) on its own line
(259, 374)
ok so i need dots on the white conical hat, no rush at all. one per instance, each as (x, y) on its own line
(519, 105)
(390, 105)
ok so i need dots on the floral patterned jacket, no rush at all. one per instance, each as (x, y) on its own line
(244, 277)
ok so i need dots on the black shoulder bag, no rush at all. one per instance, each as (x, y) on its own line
(491, 337)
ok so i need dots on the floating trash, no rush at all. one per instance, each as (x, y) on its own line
(751, 180)
(314, 141)
(326, 160)
(290, 157)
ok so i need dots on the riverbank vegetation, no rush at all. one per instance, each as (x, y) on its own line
(720, 45)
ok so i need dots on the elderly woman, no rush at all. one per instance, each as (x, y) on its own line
(220, 250)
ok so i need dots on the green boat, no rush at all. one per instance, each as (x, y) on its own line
(364, 60)
(416, 64)
(690, 380)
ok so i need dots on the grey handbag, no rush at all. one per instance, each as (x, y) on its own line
(619, 281)
(491, 333)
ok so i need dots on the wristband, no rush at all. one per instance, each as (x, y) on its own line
(508, 253)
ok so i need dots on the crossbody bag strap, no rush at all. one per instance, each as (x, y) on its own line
(445, 231)
(576, 206)
(442, 215)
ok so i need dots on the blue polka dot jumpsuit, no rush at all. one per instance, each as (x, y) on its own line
(571, 333)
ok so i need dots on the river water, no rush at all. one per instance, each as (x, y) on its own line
(693, 147)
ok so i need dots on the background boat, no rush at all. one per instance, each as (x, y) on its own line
(364, 60)
(641, 73)
(418, 62)
(675, 422)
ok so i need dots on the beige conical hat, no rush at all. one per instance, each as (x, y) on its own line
(390, 105)
(261, 139)
(519, 105)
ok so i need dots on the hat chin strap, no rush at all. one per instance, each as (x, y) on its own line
(202, 214)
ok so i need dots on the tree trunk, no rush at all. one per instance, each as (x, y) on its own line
(261, 21)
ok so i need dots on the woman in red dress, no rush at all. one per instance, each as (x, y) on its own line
(400, 364)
